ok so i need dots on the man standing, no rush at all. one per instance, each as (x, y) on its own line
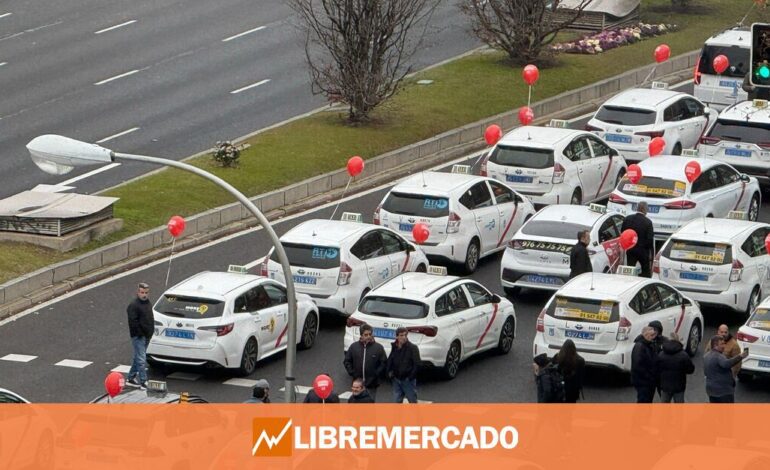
(731, 347)
(359, 393)
(644, 374)
(579, 261)
(642, 252)
(141, 326)
(366, 360)
(403, 362)
(674, 364)
(720, 383)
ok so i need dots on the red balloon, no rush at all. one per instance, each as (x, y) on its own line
(692, 170)
(114, 383)
(634, 173)
(662, 53)
(530, 73)
(767, 243)
(420, 232)
(628, 239)
(721, 62)
(355, 166)
(656, 146)
(493, 134)
(323, 386)
(526, 115)
(176, 226)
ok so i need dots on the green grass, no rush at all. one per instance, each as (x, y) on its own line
(463, 91)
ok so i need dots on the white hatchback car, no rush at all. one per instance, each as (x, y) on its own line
(448, 318)
(672, 201)
(604, 313)
(755, 335)
(721, 90)
(469, 216)
(550, 165)
(630, 120)
(336, 262)
(720, 262)
(227, 319)
(539, 254)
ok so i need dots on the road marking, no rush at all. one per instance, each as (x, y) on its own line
(243, 34)
(73, 363)
(116, 77)
(5, 14)
(3, 63)
(17, 358)
(240, 382)
(89, 174)
(301, 389)
(123, 369)
(261, 82)
(119, 134)
(115, 27)
(184, 376)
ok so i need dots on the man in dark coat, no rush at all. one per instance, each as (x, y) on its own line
(642, 252)
(660, 340)
(644, 374)
(673, 364)
(579, 261)
(312, 397)
(366, 360)
(359, 393)
(141, 326)
(403, 363)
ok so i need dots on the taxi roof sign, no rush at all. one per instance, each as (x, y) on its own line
(738, 215)
(437, 270)
(628, 270)
(234, 268)
(760, 104)
(157, 387)
(461, 169)
(659, 86)
(690, 153)
(597, 208)
(560, 123)
(352, 217)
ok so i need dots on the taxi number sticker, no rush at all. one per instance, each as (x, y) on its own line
(558, 247)
(576, 313)
(716, 256)
(429, 203)
(324, 253)
(762, 325)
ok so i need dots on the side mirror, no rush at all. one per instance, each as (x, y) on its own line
(707, 111)
(495, 299)
(745, 178)
(613, 153)
(686, 302)
(410, 248)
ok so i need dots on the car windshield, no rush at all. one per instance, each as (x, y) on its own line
(523, 157)
(738, 58)
(390, 307)
(189, 307)
(310, 256)
(584, 310)
(741, 131)
(715, 254)
(654, 187)
(626, 116)
(416, 204)
(760, 319)
(554, 229)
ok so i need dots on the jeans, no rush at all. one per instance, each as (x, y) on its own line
(404, 388)
(645, 394)
(666, 397)
(722, 399)
(139, 362)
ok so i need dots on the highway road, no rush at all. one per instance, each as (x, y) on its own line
(166, 78)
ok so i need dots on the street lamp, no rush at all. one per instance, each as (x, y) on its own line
(59, 155)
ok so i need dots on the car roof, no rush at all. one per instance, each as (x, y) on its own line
(601, 286)
(136, 395)
(539, 137)
(326, 232)
(672, 166)
(568, 213)
(414, 286)
(643, 98)
(739, 36)
(716, 230)
(212, 284)
(435, 182)
(746, 111)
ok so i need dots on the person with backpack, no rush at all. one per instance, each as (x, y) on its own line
(572, 368)
(549, 380)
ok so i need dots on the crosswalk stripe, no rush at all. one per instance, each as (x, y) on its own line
(74, 363)
(184, 376)
(17, 358)
(240, 382)
(123, 369)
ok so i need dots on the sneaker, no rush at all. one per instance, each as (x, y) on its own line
(143, 385)
(134, 382)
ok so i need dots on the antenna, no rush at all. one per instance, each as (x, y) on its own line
(592, 280)
(705, 230)
(403, 287)
(747, 14)
(424, 184)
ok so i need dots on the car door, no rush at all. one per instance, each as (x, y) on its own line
(486, 315)
(396, 250)
(705, 191)
(758, 260)
(278, 310)
(510, 213)
(253, 317)
(671, 310)
(602, 162)
(730, 180)
(609, 238)
(579, 151)
(675, 127)
(478, 199)
(695, 122)
(370, 250)
(452, 314)
(650, 306)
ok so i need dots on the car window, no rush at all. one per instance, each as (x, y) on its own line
(727, 175)
(391, 307)
(618, 221)
(694, 109)
(755, 244)
(600, 148)
(626, 116)
(252, 300)
(741, 131)
(700, 252)
(391, 243)
(675, 112)
(276, 294)
(668, 296)
(578, 150)
(647, 300)
(477, 196)
(416, 204)
(479, 295)
(502, 194)
(737, 56)
(451, 302)
(310, 256)
(369, 246)
(189, 307)
(608, 230)
(652, 186)
(522, 157)
(707, 181)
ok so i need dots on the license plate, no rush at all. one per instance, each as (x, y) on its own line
(728, 83)
(764, 363)
(694, 276)
(304, 280)
(623, 139)
(518, 179)
(550, 280)
(385, 333)
(650, 209)
(738, 152)
(405, 227)
(580, 334)
(184, 334)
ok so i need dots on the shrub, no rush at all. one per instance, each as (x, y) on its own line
(226, 154)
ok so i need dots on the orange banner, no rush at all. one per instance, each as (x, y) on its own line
(230, 437)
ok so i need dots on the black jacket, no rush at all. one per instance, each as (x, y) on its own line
(644, 372)
(674, 364)
(579, 261)
(362, 397)
(403, 362)
(141, 322)
(312, 397)
(573, 380)
(366, 362)
(640, 224)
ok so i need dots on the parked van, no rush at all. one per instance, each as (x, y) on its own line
(720, 91)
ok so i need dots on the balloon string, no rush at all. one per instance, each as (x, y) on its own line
(714, 90)
(651, 74)
(343, 195)
(170, 257)
(529, 98)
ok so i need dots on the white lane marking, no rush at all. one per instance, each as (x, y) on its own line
(301, 389)
(73, 363)
(345, 395)
(184, 376)
(123, 369)
(240, 382)
(243, 34)
(5, 14)
(261, 82)
(17, 358)
(115, 27)
(116, 77)
(3, 63)
(119, 134)
(89, 174)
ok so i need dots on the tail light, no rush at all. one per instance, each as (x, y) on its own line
(696, 72)
(220, 329)
(423, 330)
(540, 327)
(515, 244)
(263, 266)
(764, 145)
(352, 322)
(558, 174)
(624, 329)
(591, 128)
(735, 273)
(650, 134)
(346, 271)
(483, 168)
(376, 215)
(656, 264)
(453, 225)
(741, 336)
(709, 140)
(680, 205)
(614, 198)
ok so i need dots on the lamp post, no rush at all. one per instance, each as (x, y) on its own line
(59, 155)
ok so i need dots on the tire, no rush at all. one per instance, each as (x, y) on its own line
(577, 197)
(677, 149)
(452, 363)
(505, 343)
(472, 256)
(693, 338)
(511, 291)
(754, 208)
(754, 299)
(421, 268)
(309, 331)
(249, 357)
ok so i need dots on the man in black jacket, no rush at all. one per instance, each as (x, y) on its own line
(141, 326)
(366, 360)
(644, 375)
(403, 362)
(359, 393)
(645, 244)
(673, 364)
(579, 261)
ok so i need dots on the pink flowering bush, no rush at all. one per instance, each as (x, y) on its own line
(610, 39)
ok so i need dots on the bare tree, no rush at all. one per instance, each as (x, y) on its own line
(521, 28)
(358, 51)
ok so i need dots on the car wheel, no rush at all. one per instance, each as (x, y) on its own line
(693, 338)
(511, 292)
(309, 331)
(452, 364)
(44, 457)
(577, 198)
(472, 256)
(754, 299)
(249, 357)
(677, 149)
(421, 268)
(754, 208)
(506, 336)
(744, 377)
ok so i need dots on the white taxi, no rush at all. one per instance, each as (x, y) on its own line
(721, 262)
(741, 137)
(227, 319)
(336, 262)
(448, 318)
(552, 165)
(673, 201)
(755, 335)
(604, 313)
(722, 90)
(630, 120)
(538, 256)
(468, 216)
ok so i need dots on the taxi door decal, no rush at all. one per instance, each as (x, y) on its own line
(740, 198)
(489, 325)
(604, 178)
(406, 263)
(508, 225)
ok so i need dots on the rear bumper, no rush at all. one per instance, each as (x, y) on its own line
(431, 353)
(732, 298)
(341, 303)
(216, 356)
(618, 359)
(452, 249)
(635, 153)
